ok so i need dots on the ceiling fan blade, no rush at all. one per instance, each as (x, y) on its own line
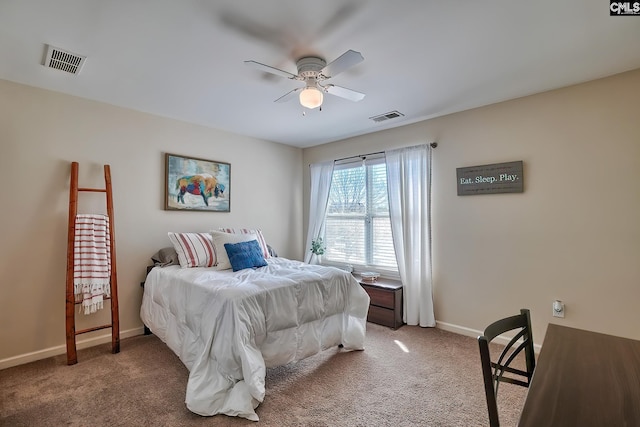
(288, 96)
(339, 18)
(344, 61)
(272, 70)
(345, 93)
(254, 29)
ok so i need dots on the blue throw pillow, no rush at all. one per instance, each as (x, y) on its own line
(245, 255)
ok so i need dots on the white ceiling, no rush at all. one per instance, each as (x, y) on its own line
(424, 58)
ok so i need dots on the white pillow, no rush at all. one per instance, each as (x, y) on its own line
(193, 249)
(259, 237)
(220, 238)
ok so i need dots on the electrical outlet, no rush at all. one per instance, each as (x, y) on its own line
(558, 308)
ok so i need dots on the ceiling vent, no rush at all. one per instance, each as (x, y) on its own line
(386, 116)
(61, 59)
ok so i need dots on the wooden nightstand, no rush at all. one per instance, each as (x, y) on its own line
(386, 301)
(147, 331)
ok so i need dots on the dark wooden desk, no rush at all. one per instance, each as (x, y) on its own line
(584, 379)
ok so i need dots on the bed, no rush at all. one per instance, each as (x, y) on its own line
(228, 326)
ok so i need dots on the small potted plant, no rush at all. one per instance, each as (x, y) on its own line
(318, 248)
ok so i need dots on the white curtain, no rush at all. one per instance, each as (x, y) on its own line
(409, 187)
(321, 174)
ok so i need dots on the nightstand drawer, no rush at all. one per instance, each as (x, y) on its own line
(380, 297)
(382, 316)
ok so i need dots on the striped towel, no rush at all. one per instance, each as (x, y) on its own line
(91, 261)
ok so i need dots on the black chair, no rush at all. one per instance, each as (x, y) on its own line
(494, 372)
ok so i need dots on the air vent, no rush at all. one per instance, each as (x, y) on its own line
(63, 60)
(386, 116)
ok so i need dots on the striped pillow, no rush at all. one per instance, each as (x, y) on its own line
(194, 249)
(257, 232)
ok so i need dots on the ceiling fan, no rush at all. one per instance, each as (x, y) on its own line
(314, 72)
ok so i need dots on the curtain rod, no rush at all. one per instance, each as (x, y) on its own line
(360, 156)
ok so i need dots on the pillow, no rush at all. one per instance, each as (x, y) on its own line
(245, 255)
(272, 252)
(165, 256)
(219, 239)
(193, 249)
(257, 232)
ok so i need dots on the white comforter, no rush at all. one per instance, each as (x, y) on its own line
(228, 327)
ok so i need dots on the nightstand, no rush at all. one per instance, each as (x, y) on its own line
(147, 331)
(385, 307)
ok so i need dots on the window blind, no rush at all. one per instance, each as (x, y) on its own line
(357, 227)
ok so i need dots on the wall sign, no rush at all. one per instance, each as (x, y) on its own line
(490, 179)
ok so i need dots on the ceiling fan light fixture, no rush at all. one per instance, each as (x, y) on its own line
(311, 97)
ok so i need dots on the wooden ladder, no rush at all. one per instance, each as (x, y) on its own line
(72, 357)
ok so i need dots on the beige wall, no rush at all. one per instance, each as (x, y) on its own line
(42, 132)
(574, 234)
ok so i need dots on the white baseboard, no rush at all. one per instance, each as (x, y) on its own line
(458, 329)
(475, 334)
(62, 349)
(80, 344)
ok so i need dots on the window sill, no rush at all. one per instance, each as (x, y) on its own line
(358, 269)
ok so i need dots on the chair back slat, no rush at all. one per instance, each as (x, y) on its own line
(493, 371)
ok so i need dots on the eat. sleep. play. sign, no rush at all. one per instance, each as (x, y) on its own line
(490, 179)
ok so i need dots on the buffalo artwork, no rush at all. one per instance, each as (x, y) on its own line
(196, 184)
(203, 185)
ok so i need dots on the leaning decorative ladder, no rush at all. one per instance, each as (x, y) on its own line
(72, 357)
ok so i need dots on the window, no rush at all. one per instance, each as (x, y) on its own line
(357, 226)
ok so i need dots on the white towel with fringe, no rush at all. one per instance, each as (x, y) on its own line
(91, 261)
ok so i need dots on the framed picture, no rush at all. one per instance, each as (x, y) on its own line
(193, 184)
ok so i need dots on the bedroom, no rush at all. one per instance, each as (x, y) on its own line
(572, 235)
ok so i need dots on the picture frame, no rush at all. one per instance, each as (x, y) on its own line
(195, 184)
